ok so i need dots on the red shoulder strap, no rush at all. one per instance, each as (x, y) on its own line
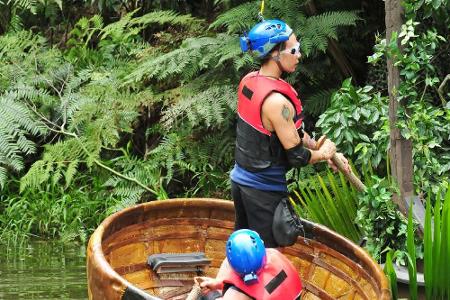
(254, 89)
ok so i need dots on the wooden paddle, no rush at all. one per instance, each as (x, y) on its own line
(357, 183)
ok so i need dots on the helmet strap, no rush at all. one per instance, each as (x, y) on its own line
(277, 58)
(278, 62)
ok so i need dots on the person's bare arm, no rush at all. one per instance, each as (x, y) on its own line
(308, 141)
(278, 115)
(232, 294)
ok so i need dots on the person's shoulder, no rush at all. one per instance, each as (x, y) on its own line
(250, 75)
(276, 98)
(273, 250)
(275, 101)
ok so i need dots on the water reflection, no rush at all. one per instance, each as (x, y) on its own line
(43, 270)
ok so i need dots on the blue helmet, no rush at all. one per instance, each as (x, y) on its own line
(246, 254)
(264, 36)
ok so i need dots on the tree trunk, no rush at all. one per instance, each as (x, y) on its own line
(400, 151)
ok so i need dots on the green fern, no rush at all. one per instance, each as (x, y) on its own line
(146, 171)
(316, 31)
(206, 108)
(167, 17)
(53, 165)
(195, 55)
(83, 110)
(238, 19)
(12, 10)
(317, 103)
(16, 124)
(289, 11)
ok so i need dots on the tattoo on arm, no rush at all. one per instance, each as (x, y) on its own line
(285, 112)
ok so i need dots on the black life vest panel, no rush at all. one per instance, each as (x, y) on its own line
(256, 147)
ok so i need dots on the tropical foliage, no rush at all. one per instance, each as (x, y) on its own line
(436, 245)
(424, 63)
(105, 104)
(382, 224)
(330, 201)
(139, 108)
(351, 107)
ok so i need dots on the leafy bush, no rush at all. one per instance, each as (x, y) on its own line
(381, 222)
(55, 211)
(425, 118)
(357, 121)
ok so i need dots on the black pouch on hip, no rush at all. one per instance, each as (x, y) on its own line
(286, 225)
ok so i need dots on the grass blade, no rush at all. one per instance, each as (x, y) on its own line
(410, 245)
(428, 251)
(390, 272)
(436, 248)
(445, 247)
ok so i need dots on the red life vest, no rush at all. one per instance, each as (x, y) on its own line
(278, 280)
(254, 89)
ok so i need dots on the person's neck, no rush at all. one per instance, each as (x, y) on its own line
(270, 69)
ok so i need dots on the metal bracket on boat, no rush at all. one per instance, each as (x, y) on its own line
(178, 262)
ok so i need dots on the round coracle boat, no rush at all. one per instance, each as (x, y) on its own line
(331, 266)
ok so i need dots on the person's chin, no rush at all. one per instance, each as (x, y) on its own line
(292, 70)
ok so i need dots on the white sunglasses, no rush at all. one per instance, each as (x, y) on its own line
(294, 50)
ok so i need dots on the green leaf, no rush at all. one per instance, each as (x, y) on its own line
(412, 271)
(347, 83)
(428, 250)
(392, 276)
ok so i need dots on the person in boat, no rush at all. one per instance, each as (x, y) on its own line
(269, 135)
(250, 271)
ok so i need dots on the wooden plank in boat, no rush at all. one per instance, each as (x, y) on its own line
(337, 287)
(319, 276)
(314, 292)
(128, 255)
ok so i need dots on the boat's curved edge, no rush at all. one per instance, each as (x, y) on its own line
(351, 251)
(108, 284)
(103, 281)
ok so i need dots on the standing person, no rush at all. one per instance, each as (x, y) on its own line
(269, 138)
(250, 271)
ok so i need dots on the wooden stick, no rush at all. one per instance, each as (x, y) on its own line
(196, 291)
(357, 183)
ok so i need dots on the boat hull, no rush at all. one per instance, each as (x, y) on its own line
(331, 266)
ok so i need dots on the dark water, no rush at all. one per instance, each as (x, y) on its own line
(43, 270)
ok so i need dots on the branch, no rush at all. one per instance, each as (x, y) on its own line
(96, 161)
(441, 89)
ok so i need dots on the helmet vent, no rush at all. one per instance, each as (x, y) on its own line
(229, 246)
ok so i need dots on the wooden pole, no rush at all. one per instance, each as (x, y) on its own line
(400, 150)
(357, 183)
